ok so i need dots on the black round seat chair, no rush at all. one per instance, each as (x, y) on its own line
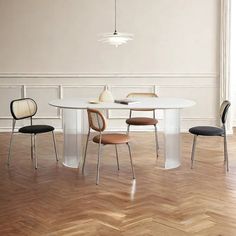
(23, 109)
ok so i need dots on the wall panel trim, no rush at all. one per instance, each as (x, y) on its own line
(154, 82)
(108, 75)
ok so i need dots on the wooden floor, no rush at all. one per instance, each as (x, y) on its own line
(55, 200)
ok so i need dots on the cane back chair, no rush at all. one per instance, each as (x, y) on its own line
(97, 122)
(23, 109)
(143, 121)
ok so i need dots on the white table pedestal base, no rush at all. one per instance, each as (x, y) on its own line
(172, 139)
(75, 128)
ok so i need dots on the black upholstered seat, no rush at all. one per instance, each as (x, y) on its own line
(36, 129)
(207, 131)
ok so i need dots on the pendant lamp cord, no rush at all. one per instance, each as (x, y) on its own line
(115, 18)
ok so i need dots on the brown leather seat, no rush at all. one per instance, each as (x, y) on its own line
(141, 121)
(112, 139)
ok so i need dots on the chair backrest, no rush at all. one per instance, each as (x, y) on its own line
(142, 95)
(97, 120)
(23, 108)
(224, 110)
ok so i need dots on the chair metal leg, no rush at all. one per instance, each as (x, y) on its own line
(35, 154)
(9, 151)
(226, 153)
(156, 139)
(117, 158)
(32, 151)
(31, 147)
(54, 144)
(85, 151)
(131, 162)
(98, 164)
(128, 127)
(12, 133)
(193, 150)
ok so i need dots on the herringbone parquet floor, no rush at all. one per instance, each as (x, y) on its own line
(55, 200)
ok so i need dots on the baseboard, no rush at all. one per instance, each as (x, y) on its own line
(234, 123)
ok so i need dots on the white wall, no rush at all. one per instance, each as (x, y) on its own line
(50, 48)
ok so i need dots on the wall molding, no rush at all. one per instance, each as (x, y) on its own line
(109, 75)
(159, 80)
(188, 85)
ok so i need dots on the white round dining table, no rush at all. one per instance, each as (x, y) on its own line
(75, 125)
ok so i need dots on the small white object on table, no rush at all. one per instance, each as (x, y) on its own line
(75, 125)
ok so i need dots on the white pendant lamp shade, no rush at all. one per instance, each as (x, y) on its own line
(116, 39)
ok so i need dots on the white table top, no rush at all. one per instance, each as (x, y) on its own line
(152, 103)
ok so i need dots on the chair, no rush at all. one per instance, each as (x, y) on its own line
(143, 121)
(97, 122)
(27, 108)
(212, 131)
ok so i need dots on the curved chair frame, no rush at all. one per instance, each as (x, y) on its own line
(223, 115)
(97, 122)
(144, 95)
